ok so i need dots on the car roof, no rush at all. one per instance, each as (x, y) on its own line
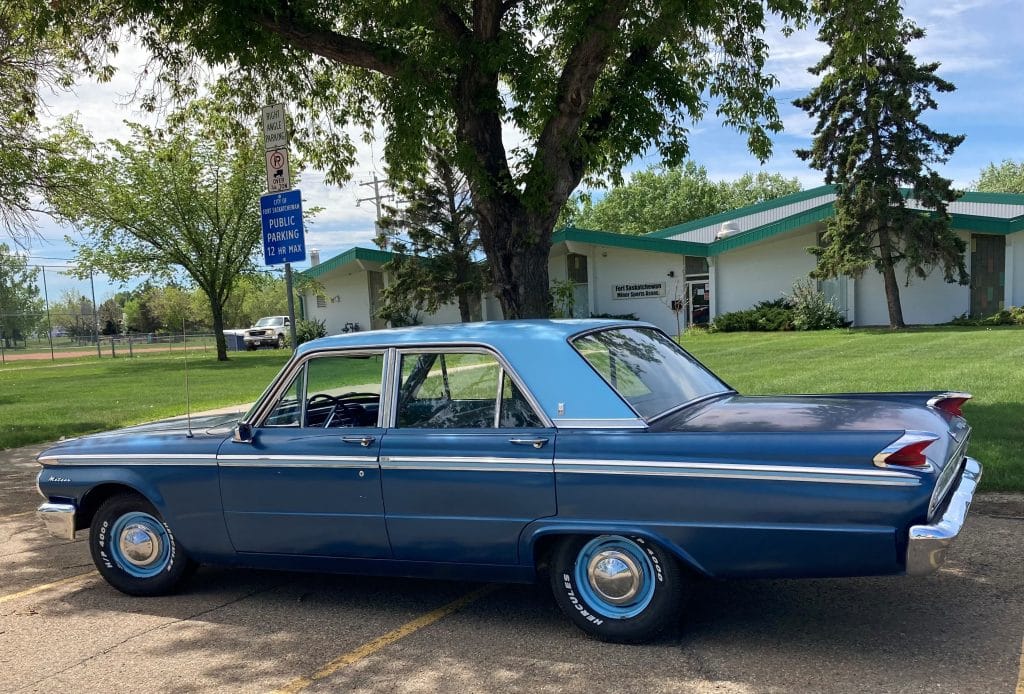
(564, 384)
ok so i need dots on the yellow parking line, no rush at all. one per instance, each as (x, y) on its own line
(44, 586)
(371, 647)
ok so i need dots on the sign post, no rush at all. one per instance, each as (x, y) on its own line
(281, 215)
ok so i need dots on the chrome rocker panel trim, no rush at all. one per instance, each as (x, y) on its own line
(928, 544)
(59, 519)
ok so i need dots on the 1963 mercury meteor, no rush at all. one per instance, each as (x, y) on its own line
(599, 453)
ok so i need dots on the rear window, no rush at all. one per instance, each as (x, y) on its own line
(647, 369)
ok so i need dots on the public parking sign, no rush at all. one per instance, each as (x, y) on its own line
(284, 240)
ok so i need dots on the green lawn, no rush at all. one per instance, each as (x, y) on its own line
(42, 402)
(989, 363)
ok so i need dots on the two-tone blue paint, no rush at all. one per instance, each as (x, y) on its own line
(733, 486)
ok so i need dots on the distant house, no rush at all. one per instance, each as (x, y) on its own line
(722, 263)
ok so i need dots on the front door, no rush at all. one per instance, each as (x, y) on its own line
(309, 481)
(988, 267)
(699, 302)
(468, 463)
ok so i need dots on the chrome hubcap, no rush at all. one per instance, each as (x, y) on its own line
(139, 544)
(615, 576)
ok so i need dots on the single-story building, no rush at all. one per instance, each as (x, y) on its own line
(728, 262)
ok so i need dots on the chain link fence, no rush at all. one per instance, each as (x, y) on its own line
(53, 312)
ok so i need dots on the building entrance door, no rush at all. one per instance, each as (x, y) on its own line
(988, 266)
(699, 301)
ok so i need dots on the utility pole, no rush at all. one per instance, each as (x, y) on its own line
(377, 199)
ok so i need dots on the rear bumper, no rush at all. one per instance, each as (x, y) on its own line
(59, 519)
(928, 544)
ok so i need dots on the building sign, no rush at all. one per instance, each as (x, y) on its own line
(638, 290)
(284, 240)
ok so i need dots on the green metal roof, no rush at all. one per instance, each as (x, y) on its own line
(352, 255)
(659, 241)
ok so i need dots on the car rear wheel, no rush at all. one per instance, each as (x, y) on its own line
(134, 549)
(617, 588)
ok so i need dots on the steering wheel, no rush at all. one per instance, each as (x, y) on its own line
(329, 399)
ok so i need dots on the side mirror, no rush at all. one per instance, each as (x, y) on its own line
(243, 433)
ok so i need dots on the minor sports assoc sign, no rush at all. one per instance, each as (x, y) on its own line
(638, 290)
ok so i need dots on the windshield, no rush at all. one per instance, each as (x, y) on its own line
(647, 369)
(267, 322)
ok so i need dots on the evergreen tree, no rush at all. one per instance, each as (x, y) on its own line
(436, 240)
(869, 141)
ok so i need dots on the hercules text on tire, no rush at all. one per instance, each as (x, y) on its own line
(617, 588)
(134, 549)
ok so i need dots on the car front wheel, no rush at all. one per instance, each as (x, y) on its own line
(134, 549)
(617, 588)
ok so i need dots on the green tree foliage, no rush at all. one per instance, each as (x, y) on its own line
(434, 236)
(1007, 177)
(254, 297)
(35, 57)
(182, 199)
(542, 94)
(21, 304)
(662, 197)
(869, 140)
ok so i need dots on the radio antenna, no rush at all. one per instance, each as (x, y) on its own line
(188, 402)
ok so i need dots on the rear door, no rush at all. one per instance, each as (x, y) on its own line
(468, 461)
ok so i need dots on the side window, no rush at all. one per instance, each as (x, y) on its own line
(516, 411)
(448, 391)
(288, 411)
(343, 391)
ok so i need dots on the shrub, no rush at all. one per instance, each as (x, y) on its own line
(1014, 315)
(812, 310)
(766, 316)
(306, 330)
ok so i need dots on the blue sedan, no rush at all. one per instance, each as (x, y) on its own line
(596, 453)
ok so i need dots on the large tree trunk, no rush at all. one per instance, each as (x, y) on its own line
(217, 309)
(519, 259)
(892, 286)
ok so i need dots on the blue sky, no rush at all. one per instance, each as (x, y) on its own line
(977, 41)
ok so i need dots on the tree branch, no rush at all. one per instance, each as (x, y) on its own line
(340, 48)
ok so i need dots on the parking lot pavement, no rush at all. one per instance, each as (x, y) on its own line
(63, 628)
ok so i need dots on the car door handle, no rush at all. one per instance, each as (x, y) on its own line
(536, 443)
(363, 441)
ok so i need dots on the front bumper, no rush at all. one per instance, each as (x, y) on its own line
(928, 544)
(59, 519)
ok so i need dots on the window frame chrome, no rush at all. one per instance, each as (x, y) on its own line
(463, 348)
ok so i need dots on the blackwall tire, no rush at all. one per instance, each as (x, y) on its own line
(280, 342)
(135, 550)
(617, 588)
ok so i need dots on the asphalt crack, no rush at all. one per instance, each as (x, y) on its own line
(151, 630)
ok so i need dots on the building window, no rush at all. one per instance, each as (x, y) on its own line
(576, 268)
(321, 301)
(696, 266)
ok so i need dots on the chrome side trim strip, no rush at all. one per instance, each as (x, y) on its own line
(640, 470)
(467, 467)
(740, 467)
(461, 459)
(128, 459)
(927, 545)
(298, 461)
(622, 423)
(787, 473)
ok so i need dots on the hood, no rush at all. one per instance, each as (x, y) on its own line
(166, 436)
